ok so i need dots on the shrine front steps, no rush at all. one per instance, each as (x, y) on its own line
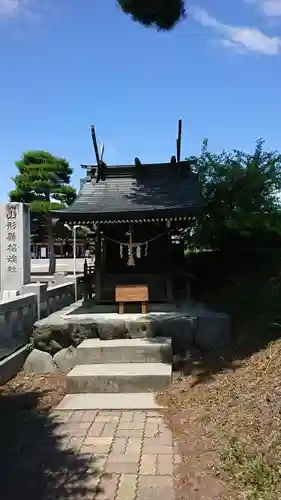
(107, 401)
(119, 378)
(139, 350)
(118, 374)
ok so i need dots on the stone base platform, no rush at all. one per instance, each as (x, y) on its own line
(187, 324)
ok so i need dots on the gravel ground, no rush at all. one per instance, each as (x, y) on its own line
(229, 429)
(48, 391)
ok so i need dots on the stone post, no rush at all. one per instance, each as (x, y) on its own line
(14, 248)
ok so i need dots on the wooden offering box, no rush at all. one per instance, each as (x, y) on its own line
(132, 293)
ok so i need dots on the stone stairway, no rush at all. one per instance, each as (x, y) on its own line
(118, 374)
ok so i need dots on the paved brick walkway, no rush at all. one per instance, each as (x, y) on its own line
(130, 455)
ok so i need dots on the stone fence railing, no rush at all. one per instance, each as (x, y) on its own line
(17, 316)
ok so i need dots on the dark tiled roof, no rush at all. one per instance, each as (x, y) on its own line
(160, 189)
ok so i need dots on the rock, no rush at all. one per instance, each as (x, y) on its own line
(213, 331)
(42, 346)
(76, 335)
(110, 330)
(65, 359)
(172, 324)
(51, 338)
(183, 338)
(181, 329)
(61, 334)
(41, 339)
(140, 328)
(54, 347)
(82, 331)
(39, 362)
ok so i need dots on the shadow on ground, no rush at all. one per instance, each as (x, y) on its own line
(205, 365)
(36, 460)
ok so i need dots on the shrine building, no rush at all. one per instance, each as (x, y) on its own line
(137, 213)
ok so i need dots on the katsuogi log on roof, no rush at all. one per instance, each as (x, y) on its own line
(135, 192)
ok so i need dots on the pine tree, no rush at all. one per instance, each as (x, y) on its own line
(43, 183)
(163, 14)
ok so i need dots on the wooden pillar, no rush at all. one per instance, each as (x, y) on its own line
(169, 269)
(98, 265)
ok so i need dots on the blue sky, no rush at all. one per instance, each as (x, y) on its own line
(65, 64)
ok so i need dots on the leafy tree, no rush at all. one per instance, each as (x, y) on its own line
(240, 191)
(43, 183)
(163, 14)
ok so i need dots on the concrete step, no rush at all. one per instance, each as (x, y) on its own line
(154, 350)
(120, 377)
(132, 401)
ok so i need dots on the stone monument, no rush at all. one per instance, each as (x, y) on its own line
(14, 248)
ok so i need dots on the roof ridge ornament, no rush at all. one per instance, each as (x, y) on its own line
(138, 163)
(100, 171)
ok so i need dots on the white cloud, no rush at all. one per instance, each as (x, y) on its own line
(10, 9)
(249, 39)
(271, 8)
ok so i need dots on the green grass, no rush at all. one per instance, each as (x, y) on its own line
(256, 474)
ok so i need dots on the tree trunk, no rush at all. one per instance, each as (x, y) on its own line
(51, 253)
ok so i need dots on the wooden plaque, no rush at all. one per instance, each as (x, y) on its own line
(131, 293)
